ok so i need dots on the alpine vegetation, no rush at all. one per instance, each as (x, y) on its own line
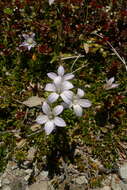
(29, 41)
(61, 92)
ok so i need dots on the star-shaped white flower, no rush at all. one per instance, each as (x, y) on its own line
(60, 89)
(109, 84)
(60, 86)
(29, 41)
(50, 118)
(51, 1)
(77, 102)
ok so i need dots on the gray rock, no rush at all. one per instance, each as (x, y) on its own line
(6, 181)
(117, 184)
(29, 171)
(31, 153)
(103, 188)
(18, 184)
(106, 188)
(44, 174)
(0, 183)
(43, 185)
(123, 171)
(6, 188)
(50, 186)
(80, 180)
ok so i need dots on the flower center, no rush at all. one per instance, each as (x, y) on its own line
(51, 116)
(75, 100)
(30, 40)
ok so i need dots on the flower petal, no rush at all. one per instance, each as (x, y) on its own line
(66, 85)
(60, 71)
(51, 1)
(46, 108)
(41, 119)
(114, 86)
(80, 92)
(29, 47)
(32, 35)
(49, 126)
(84, 103)
(77, 110)
(58, 82)
(68, 76)
(24, 44)
(25, 36)
(53, 97)
(52, 75)
(34, 43)
(59, 122)
(50, 87)
(57, 110)
(111, 80)
(67, 96)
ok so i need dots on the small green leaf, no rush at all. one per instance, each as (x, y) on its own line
(8, 11)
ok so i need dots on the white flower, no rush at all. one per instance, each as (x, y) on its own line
(51, 1)
(60, 73)
(60, 86)
(77, 103)
(51, 119)
(29, 41)
(109, 84)
(59, 90)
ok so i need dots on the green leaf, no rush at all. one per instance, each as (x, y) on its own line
(8, 11)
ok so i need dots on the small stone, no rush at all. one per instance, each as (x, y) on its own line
(43, 185)
(31, 153)
(106, 188)
(26, 164)
(18, 184)
(6, 188)
(80, 180)
(27, 177)
(0, 183)
(77, 152)
(123, 172)
(28, 171)
(115, 183)
(6, 181)
(50, 186)
(11, 165)
(44, 174)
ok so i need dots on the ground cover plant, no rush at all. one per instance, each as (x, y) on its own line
(89, 40)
